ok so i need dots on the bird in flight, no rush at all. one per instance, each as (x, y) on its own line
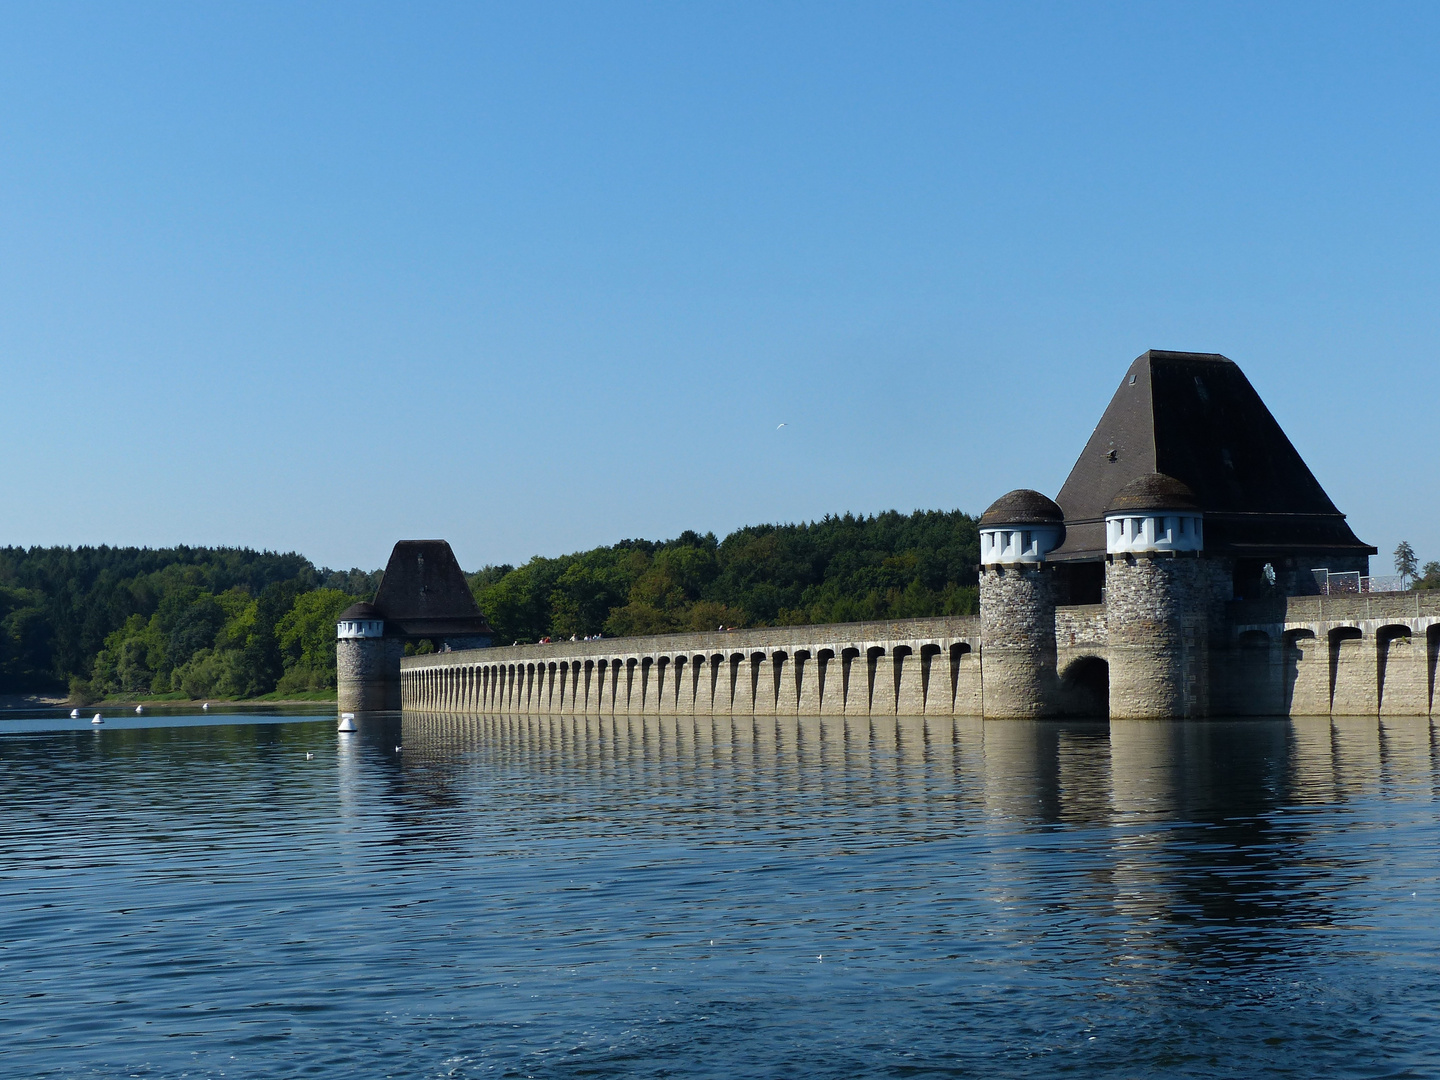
(779, 426)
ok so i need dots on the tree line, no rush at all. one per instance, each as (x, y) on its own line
(843, 568)
(104, 622)
(197, 622)
(230, 622)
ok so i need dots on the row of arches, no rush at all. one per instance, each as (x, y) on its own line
(908, 679)
(1343, 668)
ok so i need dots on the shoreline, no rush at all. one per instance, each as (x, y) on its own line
(13, 702)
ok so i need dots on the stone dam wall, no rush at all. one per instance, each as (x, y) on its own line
(910, 667)
(1302, 656)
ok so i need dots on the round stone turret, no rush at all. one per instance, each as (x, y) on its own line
(367, 663)
(1162, 599)
(1153, 512)
(1021, 527)
(1017, 603)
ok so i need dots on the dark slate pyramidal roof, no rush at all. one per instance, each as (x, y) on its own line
(424, 593)
(1195, 417)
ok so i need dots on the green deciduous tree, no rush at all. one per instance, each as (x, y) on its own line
(306, 635)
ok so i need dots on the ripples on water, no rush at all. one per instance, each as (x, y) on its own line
(708, 898)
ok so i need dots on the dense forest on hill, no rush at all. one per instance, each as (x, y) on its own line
(203, 622)
(840, 569)
(228, 622)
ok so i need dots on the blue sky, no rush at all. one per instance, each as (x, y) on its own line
(535, 278)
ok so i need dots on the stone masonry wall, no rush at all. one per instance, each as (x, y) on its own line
(1334, 655)
(908, 667)
(1162, 615)
(368, 673)
(1017, 619)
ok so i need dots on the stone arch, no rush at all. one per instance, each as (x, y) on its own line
(824, 666)
(779, 658)
(679, 668)
(648, 679)
(848, 656)
(1085, 686)
(1298, 689)
(660, 670)
(755, 663)
(1393, 642)
(802, 683)
(872, 665)
(1337, 637)
(958, 651)
(906, 696)
(928, 652)
(727, 689)
(631, 663)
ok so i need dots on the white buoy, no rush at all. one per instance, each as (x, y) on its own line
(74, 714)
(139, 709)
(98, 719)
(347, 722)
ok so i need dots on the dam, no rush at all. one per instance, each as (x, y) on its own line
(1190, 566)
(1303, 656)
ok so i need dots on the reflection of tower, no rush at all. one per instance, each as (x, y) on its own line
(367, 663)
(1162, 597)
(1017, 604)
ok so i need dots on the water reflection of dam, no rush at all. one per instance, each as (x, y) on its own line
(1238, 825)
(1042, 771)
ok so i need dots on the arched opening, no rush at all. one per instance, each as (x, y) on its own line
(1297, 642)
(1392, 642)
(1344, 640)
(927, 662)
(1085, 684)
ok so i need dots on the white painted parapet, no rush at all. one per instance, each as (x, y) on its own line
(1131, 533)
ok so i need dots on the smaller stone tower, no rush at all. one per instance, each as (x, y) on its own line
(367, 663)
(422, 597)
(1017, 605)
(1162, 598)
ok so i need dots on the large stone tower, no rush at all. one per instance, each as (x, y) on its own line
(1163, 598)
(1017, 604)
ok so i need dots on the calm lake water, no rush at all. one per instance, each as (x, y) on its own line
(193, 896)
